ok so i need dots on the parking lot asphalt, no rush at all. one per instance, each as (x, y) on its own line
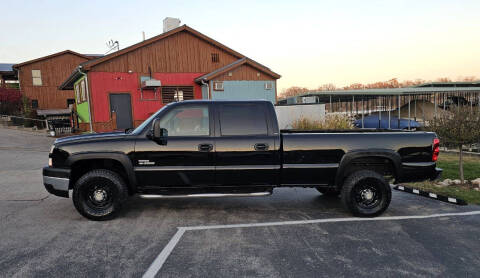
(43, 235)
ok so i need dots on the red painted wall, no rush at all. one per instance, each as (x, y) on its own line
(104, 83)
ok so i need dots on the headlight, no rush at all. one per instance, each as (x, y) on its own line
(50, 162)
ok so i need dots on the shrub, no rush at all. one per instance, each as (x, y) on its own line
(331, 121)
(10, 101)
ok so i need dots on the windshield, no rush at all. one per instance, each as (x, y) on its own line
(139, 128)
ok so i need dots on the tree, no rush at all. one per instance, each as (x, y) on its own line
(460, 126)
(468, 78)
(443, 79)
(354, 86)
(293, 91)
(327, 87)
(10, 101)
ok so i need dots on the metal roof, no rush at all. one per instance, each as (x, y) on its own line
(393, 91)
(48, 112)
(450, 84)
(6, 67)
(94, 55)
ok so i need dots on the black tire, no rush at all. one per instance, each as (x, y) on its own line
(366, 193)
(99, 194)
(327, 191)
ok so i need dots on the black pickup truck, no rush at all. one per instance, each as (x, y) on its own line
(234, 148)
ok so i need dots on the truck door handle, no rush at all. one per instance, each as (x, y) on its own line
(261, 147)
(205, 147)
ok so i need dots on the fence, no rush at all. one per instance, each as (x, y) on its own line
(10, 120)
(57, 124)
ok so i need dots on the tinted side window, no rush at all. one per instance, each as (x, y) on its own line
(242, 119)
(187, 121)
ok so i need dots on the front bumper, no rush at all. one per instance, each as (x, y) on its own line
(56, 181)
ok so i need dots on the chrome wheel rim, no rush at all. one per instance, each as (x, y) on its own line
(99, 195)
(368, 195)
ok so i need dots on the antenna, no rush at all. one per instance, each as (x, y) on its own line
(143, 35)
(112, 45)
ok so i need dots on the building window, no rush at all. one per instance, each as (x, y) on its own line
(218, 86)
(70, 101)
(77, 92)
(176, 93)
(268, 85)
(36, 78)
(178, 96)
(215, 58)
(34, 103)
(83, 90)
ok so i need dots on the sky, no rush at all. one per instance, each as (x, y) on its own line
(309, 43)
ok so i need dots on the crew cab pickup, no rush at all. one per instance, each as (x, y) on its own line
(234, 148)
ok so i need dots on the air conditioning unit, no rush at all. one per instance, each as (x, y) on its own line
(151, 84)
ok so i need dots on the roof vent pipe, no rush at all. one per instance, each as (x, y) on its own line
(170, 23)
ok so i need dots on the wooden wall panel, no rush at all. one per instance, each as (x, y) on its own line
(244, 72)
(53, 71)
(182, 52)
(48, 97)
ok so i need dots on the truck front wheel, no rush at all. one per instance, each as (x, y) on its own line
(99, 194)
(366, 193)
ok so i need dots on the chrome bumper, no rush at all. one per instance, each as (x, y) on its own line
(57, 185)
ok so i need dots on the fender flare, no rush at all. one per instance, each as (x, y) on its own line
(347, 158)
(117, 156)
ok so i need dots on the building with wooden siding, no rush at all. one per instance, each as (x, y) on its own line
(122, 89)
(40, 78)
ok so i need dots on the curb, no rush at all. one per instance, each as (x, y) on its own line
(430, 195)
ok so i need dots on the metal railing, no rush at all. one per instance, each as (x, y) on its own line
(12, 120)
(56, 125)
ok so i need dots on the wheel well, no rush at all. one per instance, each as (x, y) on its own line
(382, 165)
(81, 167)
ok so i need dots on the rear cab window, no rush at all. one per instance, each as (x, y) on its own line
(242, 119)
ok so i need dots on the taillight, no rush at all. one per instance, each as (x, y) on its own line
(436, 149)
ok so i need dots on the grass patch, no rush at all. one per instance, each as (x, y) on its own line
(449, 163)
(463, 192)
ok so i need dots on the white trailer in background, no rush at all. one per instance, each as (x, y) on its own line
(289, 113)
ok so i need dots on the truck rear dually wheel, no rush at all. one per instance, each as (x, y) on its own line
(366, 193)
(99, 194)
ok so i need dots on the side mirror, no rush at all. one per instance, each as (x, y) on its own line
(158, 134)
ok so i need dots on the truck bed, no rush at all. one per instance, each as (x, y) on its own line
(311, 156)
